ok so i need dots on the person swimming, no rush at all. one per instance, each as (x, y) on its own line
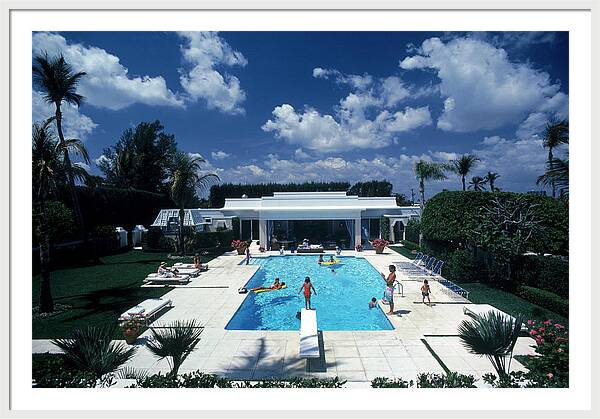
(373, 303)
(331, 259)
(320, 259)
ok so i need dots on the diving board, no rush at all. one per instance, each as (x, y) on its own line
(309, 338)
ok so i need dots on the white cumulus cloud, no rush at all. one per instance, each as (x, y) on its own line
(108, 83)
(219, 155)
(75, 124)
(206, 53)
(482, 87)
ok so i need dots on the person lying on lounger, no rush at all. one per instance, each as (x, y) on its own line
(165, 272)
(276, 285)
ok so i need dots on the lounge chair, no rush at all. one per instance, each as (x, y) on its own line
(309, 338)
(179, 266)
(146, 309)
(156, 279)
(193, 272)
(437, 269)
(311, 249)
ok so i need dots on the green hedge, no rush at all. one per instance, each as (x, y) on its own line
(546, 299)
(546, 272)
(119, 207)
(201, 241)
(412, 229)
(410, 245)
(450, 217)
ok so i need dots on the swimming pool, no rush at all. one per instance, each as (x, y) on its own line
(343, 294)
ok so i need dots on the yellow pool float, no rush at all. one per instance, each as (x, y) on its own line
(268, 289)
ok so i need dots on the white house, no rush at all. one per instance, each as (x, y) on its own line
(289, 217)
(201, 219)
(286, 211)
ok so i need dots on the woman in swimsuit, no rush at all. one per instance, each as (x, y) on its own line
(306, 288)
(389, 289)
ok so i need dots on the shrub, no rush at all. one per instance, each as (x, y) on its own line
(412, 230)
(384, 382)
(61, 224)
(384, 227)
(450, 380)
(209, 240)
(298, 383)
(380, 243)
(462, 266)
(546, 299)
(174, 341)
(546, 272)
(51, 371)
(91, 349)
(550, 367)
(452, 216)
(151, 239)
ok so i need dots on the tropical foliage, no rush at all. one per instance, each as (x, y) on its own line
(426, 171)
(185, 180)
(371, 188)
(557, 170)
(494, 336)
(92, 349)
(140, 159)
(463, 166)
(174, 341)
(491, 178)
(477, 183)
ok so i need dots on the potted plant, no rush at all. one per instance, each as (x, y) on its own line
(240, 246)
(379, 245)
(132, 329)
(358, 248)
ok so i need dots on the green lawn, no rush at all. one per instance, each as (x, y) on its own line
(97, 294)
(509, 303)
(403, 251)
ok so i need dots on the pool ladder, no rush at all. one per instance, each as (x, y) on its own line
(399, 287)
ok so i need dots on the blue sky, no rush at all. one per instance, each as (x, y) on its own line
(295, 106)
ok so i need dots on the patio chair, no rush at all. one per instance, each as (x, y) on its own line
(429, 265)
(156, 279)
(146, 309)
(417, 258)
(437, 269)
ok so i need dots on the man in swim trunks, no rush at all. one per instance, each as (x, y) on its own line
(388, 295)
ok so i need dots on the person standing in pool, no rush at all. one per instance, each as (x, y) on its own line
(306, 290)
(388, 295)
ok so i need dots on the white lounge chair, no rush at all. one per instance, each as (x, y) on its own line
(479, 309)
(180, 266)
(155, 279)
(146, 309)
(193, 272)
(309, 338)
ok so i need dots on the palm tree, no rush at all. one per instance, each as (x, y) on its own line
(477, 183)
(493, 335)
(58, 83)
(185, 181)
(557, 175)
(92, 349)
(463, 166)
(48, 169)
(491, 178)
(175, 341)
(556, 133)
(425, 170)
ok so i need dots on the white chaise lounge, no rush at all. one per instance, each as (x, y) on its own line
(479, 309)
(155, 279)
(146, 309)
(309, 338)
(180, 266)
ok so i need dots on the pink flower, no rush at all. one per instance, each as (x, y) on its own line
(559, 350)
(542, 329)
(547, 322)
(559, 326)
(529, 322)
(533, 332)
(550, 375)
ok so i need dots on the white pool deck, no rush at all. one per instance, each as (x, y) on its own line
(357, 356)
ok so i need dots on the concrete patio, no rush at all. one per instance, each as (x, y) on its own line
(356, 356)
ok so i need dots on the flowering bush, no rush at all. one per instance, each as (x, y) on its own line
(550, 366)
(358, 248)
(131, 328)
(238, 244)
(380, 243)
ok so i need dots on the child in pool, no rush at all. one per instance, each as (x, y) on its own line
(373, 303)
(306, 288)
(331, 259)
(320, 259)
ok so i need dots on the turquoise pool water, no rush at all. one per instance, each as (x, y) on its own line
(342, 300)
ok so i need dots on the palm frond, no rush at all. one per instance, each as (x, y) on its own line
(174, 341)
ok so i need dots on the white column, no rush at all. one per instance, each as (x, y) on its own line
(240, 228)
(392, 234)
(403, 230)
(357, 235)
(262, 231)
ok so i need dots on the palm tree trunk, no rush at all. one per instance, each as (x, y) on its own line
(422, 195)
(463, 183)
(550, 158)
(46, 300)
(181, 240)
